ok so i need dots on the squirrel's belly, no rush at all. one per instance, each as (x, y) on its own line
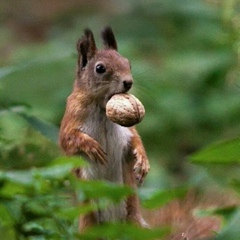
(113, 213)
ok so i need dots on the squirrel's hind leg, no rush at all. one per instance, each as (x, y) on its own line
(86, 221)
(132, 203)
(90, 219)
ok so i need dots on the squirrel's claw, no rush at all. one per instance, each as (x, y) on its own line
(99, 156)
(96, 153)
(141, 167)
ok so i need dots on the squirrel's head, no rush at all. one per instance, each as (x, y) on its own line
(102, 72)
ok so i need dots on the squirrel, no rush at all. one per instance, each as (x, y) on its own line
(115, 153)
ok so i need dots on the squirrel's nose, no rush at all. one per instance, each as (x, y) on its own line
(127, 84)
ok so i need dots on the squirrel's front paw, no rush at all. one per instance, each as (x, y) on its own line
(141, 167)
(94, 151)
(92, 148)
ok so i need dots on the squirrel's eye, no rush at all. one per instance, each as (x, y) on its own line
(100, 68)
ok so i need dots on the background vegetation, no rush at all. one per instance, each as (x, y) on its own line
(185, 61)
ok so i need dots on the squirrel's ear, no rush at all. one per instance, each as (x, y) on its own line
(86, 48)
(109, 40)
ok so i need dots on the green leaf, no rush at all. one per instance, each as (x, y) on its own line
(231, 229)
(74, 212)
(98, 189)
(161, 198)
(57, 170)
(123, 231)
(226, 212)
(37, 208)
(23, 177)
(4, 71)
(235, 183)
(5, 216)
(227, 152)
(54, 172)
(41, 83)
(73, 161)
(11, 189)
(32, 228)
(47, 129)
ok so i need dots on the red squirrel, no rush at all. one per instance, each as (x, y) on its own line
(115, 153)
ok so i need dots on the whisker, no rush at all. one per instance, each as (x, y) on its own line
(145, 89)
(100, 89)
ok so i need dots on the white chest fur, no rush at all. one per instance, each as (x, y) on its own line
(114, 139)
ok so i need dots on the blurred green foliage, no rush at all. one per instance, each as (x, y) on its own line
(185, 62)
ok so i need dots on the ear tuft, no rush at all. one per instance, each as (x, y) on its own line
(91, 42)
(86, 48)
(108, 37)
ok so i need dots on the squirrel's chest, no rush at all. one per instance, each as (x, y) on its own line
(107, 133)
(113, 138)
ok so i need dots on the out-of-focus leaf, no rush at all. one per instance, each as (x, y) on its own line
(71, 213)
(235, 183)
(37, 208)
(227, 152)
(5, 216)
(231, 229)
(98, 189)
(22, 146)
(11, 189)
(123, 231)
(73, 161)
(226, 212)
(41, 83)
(23, 177)
(54, 172)
(33, 228)
(48, 130)
(161, 198)
(5, 71)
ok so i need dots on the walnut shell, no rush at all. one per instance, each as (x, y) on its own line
(125, 109)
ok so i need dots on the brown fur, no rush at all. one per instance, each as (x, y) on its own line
(91, 91)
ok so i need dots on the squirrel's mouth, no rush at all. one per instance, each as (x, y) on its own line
(108, 97)
(116, 92)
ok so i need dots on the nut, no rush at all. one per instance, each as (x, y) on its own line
(125, 110)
